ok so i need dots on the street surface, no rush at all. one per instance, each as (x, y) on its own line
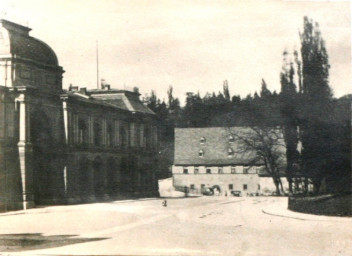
(187, 226)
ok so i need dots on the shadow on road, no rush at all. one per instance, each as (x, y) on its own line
(32, 241)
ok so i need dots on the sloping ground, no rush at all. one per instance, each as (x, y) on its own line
(332, 205)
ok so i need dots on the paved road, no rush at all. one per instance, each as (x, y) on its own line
(192, 226)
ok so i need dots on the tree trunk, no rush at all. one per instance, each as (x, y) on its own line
(316, 186)
(277, 185)
(305, 185)
(290, 185)
(281, 186)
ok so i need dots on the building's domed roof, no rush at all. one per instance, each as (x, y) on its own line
(24, 46)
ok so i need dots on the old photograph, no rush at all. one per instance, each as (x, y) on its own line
(165, 127)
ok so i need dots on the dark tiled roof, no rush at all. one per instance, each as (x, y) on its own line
(215, 147)
(24, 46)
(83, 98)
(33, 49)
(122, 99)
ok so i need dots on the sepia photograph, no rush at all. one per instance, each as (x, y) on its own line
(174, 127)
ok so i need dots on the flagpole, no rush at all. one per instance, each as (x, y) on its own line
(97, 55)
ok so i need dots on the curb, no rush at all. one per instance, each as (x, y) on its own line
(312, 217)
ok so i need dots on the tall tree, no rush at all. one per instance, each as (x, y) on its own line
(288, 106)
(316, 111)
(226, 91)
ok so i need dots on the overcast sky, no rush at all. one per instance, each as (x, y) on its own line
(191, 45)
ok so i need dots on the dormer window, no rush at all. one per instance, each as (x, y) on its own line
(201, 153)
(230, 152)
(231, 138)
(202, 140)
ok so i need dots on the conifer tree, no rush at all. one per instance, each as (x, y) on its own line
(288, 99)
(316, 104)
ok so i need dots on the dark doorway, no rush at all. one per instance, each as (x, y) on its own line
(98, 177)
(43, 156)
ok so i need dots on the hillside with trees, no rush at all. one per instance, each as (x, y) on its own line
(316, 126)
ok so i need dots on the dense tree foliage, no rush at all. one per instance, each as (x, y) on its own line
(305, 110)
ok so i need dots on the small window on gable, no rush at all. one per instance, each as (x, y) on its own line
(201, 153)
(202, 140)
(230, 152)
(231, 138)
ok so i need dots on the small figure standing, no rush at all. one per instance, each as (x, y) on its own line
(165, 203)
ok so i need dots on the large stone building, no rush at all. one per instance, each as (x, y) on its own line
(213, 158)
(61, 146)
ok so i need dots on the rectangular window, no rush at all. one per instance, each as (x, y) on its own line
(192, 186)
(220, 170)
(97, 133)
(82, 132)
(117, 133)
(244, 186)
(208, 171)
(109, 135)
(196, 170)
(185, 171)
(245, 169)
(202, 186)
(141, 136)
(230, 186)
(132, 134)
(258, 186)
(233, 169)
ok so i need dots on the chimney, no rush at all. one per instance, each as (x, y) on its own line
(73, 88)
(83, 90)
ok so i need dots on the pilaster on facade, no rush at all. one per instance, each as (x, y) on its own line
(25, 152)
(65, 115)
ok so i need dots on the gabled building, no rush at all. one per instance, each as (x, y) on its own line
(212, 157)
(61, 146)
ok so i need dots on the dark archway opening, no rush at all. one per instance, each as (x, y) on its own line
(84, 182)
(112, 177)
(43, 156)
(98, 177)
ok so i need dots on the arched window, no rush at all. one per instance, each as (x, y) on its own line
(201, 153)
(231, 138)
(202, 140)
(230, 152)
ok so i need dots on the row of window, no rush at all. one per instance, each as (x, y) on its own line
(101, 132)
(230, 186)
(229, 152)
(220, 170)
(231, 138)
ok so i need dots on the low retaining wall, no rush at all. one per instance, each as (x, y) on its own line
(333, 205)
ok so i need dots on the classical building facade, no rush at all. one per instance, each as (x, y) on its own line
(212, 157)
(61, 146)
